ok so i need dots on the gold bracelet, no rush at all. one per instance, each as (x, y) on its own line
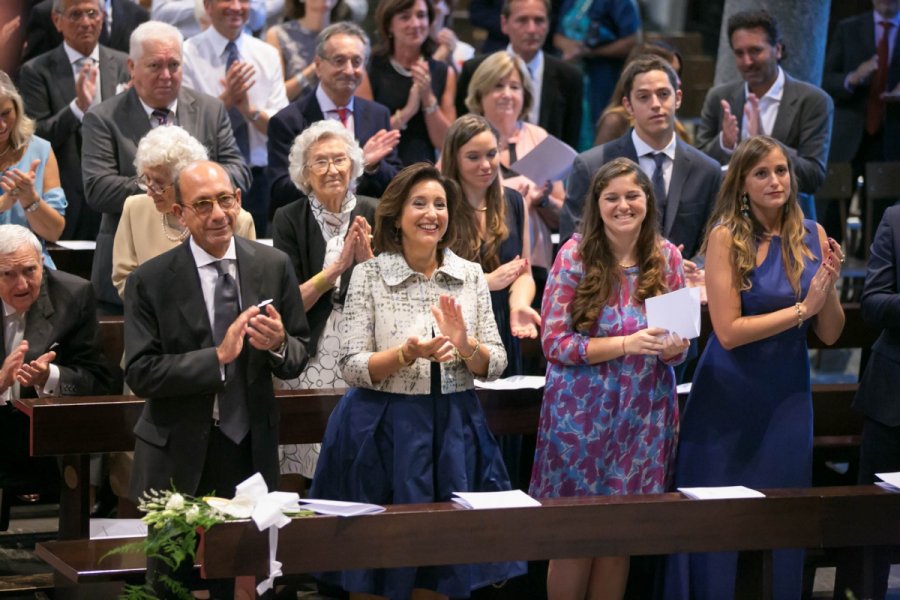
(321, 284)
(799, 315)
(402, 359)
(471, 356)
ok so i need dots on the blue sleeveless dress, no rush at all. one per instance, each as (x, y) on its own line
(748, 421)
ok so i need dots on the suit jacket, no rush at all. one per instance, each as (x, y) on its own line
(296, 232)
(853, 43)
(561, 94)
(41, 35)
(47, 86)
(368, 119)
(877, 395)
(111, 133)
(170, 359)
(692, 190)
(64, 317)
(803, 125)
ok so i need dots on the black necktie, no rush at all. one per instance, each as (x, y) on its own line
(659, 184)
(160, 116)
(234, 417)
(238, 122)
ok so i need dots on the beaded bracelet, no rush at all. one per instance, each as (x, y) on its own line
(799, 315)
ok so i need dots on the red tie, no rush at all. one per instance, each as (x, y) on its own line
(875, 106)
(342, 114)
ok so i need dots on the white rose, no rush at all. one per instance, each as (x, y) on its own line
(176, 502)
(192, 513)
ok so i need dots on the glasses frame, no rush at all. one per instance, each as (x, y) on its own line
(151, 187)
(328, 163)
(340, 61)
(204, 206)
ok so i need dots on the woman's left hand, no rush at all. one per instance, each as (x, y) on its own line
(524, 322)
(534, 194)
(449, 317)
(673, 345)
(363, 232)
(835, 257)
(20, 185)
(421, 75)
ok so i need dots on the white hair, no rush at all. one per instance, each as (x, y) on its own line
(152, 31)
(13, 237)
(318, 131)
(171, 148)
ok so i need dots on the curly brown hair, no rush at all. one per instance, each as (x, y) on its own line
(602, 273)
(469, 240)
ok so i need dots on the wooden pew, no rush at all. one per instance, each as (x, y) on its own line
(443, 533)
(74, 427)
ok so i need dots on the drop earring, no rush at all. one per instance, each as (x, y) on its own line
(745, 205)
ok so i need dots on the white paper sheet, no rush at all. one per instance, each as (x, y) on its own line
(892, 479)
(720, 493)
(683, 388)
(77, 244)
(482, 500)
(678, 312)
(117, 528)
(339, 507)
(516, 382)
(551, 160)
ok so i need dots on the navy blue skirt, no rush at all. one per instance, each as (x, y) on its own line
(387, 448)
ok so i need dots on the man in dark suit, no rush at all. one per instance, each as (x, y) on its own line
(59, 86)
(856, 76)
(685, 180)
(120, 19)
(342, 51)
(187, 354)
(558, 84)
(113, 129)
(51, 341)
(768, 101)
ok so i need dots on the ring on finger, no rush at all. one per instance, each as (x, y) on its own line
(14, 192)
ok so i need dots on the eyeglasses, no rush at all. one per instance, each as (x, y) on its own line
(204, 206)
(320, 167)
(340, 61)
(75, 16)
(148, 185)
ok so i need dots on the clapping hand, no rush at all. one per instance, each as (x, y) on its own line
(449, 318)
(438, 349)
(19, 185)
(86, 85)
(265, 331)
(11, 365)
(362, 232)
(379, 146)
(503, 276)
(238, 80)
(729, 127)
(37, 371)
(524, 322)
(421, 76)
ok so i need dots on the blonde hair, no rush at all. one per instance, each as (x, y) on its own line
(24, 128)
(745, 230)
(494, 68)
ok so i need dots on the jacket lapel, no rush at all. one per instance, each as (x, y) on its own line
(109, 78)
(62, 74)
(38, 327)
(681, 169)
(787, 110)
(189, 296)
(250, 277)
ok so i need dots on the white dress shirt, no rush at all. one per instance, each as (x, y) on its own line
(645, 157)
(329, 109)
(204, 69)
(536, 69)
(768, 110)
(13, 334)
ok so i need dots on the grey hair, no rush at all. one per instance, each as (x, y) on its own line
(342, 28)
(151, 31)
(60, 5)
(24, 128)
(171, 148)
(318, 131)
(13, 237)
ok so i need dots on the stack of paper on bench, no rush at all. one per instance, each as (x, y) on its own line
(340, 508)
(720, 493)
(509, 499)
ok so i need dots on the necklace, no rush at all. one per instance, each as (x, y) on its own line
(481, 208)
(400, 68)
(181, 234)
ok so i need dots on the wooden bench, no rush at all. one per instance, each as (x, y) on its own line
(443, 533)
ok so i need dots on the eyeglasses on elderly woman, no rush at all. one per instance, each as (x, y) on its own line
(320, 166)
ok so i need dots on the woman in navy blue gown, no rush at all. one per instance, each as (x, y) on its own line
(770, 276)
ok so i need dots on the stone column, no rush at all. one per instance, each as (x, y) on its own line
(804, 31)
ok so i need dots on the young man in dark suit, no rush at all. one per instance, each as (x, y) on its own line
(558, 84)
(59, 86)
(342, 51)
(685, 180)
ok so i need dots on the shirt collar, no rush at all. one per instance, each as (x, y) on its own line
(536, 63)
(204, 258)
(879, 19)
(8, 310)
(775, 91)
(74, 54)
(149, 109)
(395, 270)
(642, 148)
(327, 104)
(219, 41)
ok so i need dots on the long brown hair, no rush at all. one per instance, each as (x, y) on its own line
(383, 16)
(602, 273)
(468, 239)
(745, 230)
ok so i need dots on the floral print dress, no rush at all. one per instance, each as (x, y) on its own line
(609, 428)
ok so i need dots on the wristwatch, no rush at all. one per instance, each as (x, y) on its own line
(254, 116)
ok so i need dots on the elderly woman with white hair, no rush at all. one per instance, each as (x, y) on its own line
(148, 227)
(326, 233)
(30, 191)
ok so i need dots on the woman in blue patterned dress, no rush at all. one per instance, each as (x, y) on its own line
(609, 420)
(770, 276)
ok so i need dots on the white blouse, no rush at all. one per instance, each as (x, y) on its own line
(387, 302)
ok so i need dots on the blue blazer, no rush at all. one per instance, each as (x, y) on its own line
(692, 190)
(368, 119)
(877, 395)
